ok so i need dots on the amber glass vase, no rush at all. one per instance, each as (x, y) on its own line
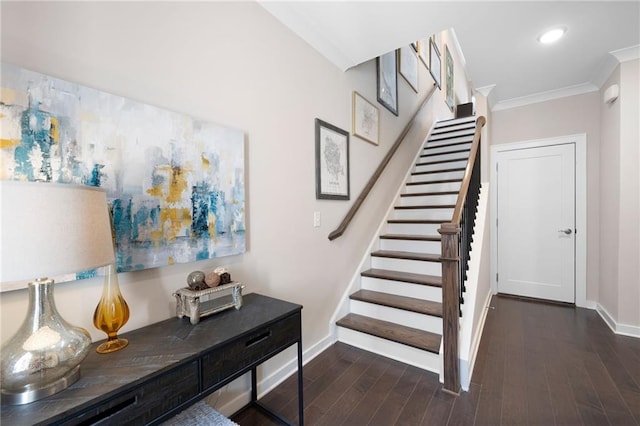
(111, 313)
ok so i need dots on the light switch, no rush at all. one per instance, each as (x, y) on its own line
(316, 219)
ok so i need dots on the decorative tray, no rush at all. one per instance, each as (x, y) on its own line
(196, 304)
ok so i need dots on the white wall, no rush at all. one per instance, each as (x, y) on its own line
(560, 117)
(234, 64)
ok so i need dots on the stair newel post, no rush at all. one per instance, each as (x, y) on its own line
(451, 307)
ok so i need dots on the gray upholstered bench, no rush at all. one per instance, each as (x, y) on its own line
(199, 414)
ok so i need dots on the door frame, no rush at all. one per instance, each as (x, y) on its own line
(580, 143)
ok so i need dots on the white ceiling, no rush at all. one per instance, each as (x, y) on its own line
(498, 39)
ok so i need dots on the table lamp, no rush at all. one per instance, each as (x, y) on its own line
(47, 230)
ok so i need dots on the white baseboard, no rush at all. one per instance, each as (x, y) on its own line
(621, 329)
(267, 384)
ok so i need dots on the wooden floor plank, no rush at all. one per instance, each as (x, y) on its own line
(537, 364)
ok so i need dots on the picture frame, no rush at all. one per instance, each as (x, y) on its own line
(387, 81)
(435, 65)
(449, 78)
(408, 69)
(332, 162)
(365, 119)
(423, 51)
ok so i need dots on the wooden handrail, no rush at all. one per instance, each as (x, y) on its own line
(374, 178)
(464, 187)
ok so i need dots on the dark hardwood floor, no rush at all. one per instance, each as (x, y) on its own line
(538, 364)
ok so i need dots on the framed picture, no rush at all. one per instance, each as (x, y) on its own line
(366, 119)
(423, 51)
(387, 68)
(449, 77)
(409, 66)
(332, 162)
(435, 67)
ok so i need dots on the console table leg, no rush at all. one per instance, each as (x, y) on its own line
(300, 399)
(254, 385)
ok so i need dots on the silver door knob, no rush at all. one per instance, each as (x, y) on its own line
(567, 231)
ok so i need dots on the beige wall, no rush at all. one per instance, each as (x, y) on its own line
(234, 64)
(560, 117)
(621, 292)
(609, 163)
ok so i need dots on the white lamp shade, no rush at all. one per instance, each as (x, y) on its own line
(49, 229)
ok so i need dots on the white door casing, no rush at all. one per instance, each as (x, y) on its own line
(536, 222)
(533, 276)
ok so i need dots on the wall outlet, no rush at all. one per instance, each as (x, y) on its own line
(316, 219)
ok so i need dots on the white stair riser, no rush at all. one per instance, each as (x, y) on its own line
(432, 187)
(429, 150)
(453, 128)
(397, 316)
(413, 228)
(436, 176)
(428, 200)
(441, 142)
(418, 291)
(425, 214)
(403, 353)
(459, 133)
(454, 121)
(442, 157)
(439, 166)
(407, 265)
(414, 246)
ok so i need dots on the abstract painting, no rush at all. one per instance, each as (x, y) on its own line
(175, 184)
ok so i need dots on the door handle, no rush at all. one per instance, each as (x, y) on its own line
(567, 231)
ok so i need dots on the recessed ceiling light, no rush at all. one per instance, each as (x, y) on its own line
(552, 36)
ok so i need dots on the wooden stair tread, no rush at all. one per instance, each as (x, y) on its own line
(408, 255)
(448, 144)
(405, 277)
(411, 304)
(420, 194)
(420, 221)
(457, 169)
(459, 151)
(429, 206)
(430, 182)
(414, 337)
(431, 163)
(412, 237)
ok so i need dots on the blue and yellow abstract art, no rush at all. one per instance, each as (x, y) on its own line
(175, 185)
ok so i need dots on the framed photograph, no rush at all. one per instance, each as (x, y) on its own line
(387, 70)
(423, 51)
(332, 162)
(435, 67)
(366, 119)
(409, 66)
(449, 77)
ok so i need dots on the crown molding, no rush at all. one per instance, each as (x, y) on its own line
(627, 54)
(564, 92)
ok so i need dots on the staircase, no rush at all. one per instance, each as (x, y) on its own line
(397, 312)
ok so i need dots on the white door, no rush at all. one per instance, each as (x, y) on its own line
(536, 222)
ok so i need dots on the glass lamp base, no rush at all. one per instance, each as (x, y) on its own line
(34, 393)
(112, 346)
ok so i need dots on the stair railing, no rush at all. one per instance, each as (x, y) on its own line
(374, 178)
(456, 245)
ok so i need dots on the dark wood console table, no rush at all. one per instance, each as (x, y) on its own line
(169, 366)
